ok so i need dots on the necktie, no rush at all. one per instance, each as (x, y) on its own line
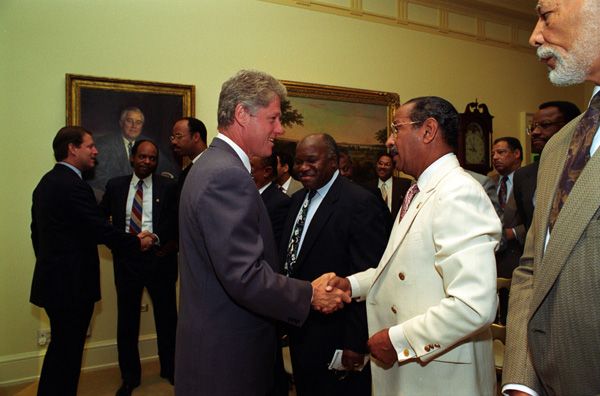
(577, 157)
(502, 191)
(129, 147)
(135, 222)
(410, 194)
(384, 193)
(292, 252)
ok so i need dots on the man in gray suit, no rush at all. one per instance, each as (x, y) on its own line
(231, 289)
(553, 340)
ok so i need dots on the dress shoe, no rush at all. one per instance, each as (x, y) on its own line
(125, 390)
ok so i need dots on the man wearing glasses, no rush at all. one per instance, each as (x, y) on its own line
(188, 139)
(549, 119)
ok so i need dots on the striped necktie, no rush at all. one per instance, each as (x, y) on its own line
(135, 223)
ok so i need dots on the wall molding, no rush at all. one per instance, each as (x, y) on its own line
(25, 367)
(506, 23)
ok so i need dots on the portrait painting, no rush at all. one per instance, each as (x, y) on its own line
(119, 112)
(359, 120)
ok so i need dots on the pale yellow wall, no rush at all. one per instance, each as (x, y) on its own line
(203, 42)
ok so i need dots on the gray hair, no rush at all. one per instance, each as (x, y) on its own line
(252, 89)
(132, 109)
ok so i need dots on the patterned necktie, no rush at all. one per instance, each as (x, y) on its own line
(410, 194)
(135, 222)
(502, 191)
(292, 252)
(384, 193)
(577, 156)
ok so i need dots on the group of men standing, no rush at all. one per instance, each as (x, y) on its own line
(427, 288)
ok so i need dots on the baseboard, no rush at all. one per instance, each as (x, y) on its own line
(25, 367)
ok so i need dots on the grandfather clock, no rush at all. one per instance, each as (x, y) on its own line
(474, 138)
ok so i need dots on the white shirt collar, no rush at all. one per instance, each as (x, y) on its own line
(433, 168)
(243, 156)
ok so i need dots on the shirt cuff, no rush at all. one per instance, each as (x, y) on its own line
(400, 343)
(355, 286)
(518, 387)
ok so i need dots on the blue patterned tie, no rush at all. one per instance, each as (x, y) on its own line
(135, 222)
(292, 252)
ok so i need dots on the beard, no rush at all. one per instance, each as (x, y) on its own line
(573, 66)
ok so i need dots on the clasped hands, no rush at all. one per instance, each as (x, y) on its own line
(147, 240)
(330, 292)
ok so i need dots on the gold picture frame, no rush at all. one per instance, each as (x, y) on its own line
(358, 119)
(98, 103)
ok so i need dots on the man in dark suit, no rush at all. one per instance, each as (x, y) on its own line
(115, 150)
(155, 270)
(66, 226)
(549, 119)
(392, 189)
(188, 139)
(231, 290)
(264, 172)
(345, 229)
(507, 155)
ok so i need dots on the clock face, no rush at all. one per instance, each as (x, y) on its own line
(474, 144)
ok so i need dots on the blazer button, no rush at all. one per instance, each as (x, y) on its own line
(394, 310)
(427, 349)
(401, 275)
(405, 352)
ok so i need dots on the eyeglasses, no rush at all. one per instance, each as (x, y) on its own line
(542, 125)
(131, 121)
(177, 137)
(395, 126)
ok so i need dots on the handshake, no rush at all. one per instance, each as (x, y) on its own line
(147, 240)
(330, 292)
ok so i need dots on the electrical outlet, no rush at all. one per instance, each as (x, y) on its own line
(43, 337)
(144, 308)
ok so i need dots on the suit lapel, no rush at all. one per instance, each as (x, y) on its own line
(157, 191)
(319, 219)
(400, 229)
(572, 221)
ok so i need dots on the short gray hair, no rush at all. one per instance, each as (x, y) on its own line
(131, 109)
(252, 89)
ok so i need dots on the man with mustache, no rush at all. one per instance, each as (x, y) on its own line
(553, 338)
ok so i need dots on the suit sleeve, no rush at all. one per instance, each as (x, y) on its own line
(465, 233)
(86, 208)
(231, 209)
(518, 368)
(371, 222)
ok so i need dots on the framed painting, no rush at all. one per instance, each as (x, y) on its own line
(118, 112)
(358, 119)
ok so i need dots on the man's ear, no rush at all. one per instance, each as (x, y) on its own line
(241, 114)
(430, 130)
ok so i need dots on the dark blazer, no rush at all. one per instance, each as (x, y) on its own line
(278, 205)
(164, 216)
(231, 290)
(348, 234)
(113, 162)
(66, 227)
(524, 182)
(400, 186)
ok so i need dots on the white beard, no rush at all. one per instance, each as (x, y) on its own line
(574, 66)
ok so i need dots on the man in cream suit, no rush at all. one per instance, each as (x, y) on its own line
(432, 297)
(553, 340)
